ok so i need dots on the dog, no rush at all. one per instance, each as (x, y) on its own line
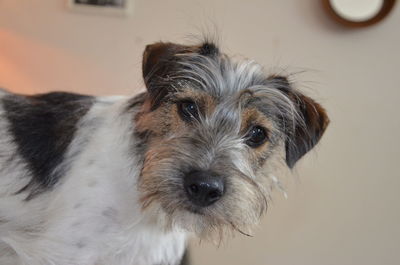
(126, 180)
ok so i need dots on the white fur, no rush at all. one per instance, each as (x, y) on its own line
(93, 215)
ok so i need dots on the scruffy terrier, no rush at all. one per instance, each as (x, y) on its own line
(124, 181)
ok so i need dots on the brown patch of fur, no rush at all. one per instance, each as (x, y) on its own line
(252, 117)
(157, 122)
(204, 101)
(165, 119)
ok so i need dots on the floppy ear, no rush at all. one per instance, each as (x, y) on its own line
(309, 128)
(160, 61)
(157, 60)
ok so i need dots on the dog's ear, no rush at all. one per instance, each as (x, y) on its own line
(311, 124)
(160, 60)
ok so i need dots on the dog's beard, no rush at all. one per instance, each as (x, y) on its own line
(237, 212)
(161, 186)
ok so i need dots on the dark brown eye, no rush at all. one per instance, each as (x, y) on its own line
(188, 110)
(256, 136)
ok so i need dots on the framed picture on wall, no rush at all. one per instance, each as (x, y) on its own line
(101, 7)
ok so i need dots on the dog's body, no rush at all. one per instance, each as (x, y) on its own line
(124, 181)
(91, 216)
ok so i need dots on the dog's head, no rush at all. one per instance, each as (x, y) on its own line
(212, 131)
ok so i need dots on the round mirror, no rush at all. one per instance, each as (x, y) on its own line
(359, 13)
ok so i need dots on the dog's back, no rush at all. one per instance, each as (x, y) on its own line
(35, 134)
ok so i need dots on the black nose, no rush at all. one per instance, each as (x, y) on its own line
(203, 187)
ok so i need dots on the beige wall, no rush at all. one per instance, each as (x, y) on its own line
(344, 203)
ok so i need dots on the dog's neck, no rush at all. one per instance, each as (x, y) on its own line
(142, 237)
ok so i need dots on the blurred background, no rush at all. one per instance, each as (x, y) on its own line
(343, 204)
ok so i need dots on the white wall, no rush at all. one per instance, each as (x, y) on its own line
(344, 203)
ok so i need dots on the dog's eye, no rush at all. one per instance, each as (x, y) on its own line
(256, 136)
(188, 110)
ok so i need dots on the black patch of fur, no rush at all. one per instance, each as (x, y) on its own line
(137, 101)
(208, 49)
(305, 137)
(142, 139)
(185, 258)
(43, 127)
(314, 120)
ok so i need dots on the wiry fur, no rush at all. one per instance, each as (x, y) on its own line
(95, 181)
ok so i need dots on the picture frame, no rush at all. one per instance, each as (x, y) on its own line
(101, 7)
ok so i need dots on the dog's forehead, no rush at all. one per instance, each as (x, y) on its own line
(220, 76)
(222, 80)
